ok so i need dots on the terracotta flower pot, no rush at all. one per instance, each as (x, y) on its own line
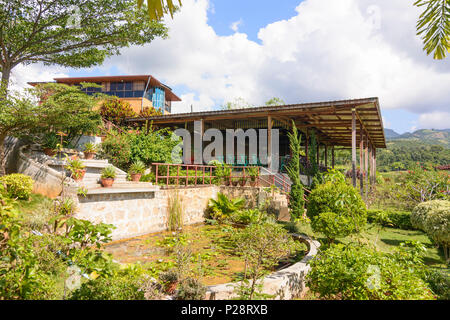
(226, 181)
(253, 183)
(242, 182)
(235, 182)
(79, 175)
(49, 151)
(107, 182)
(135, 177)
(89, 155)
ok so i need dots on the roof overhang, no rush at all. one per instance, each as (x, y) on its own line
(332, 120)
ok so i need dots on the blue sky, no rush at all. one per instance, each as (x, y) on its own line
(322, 51)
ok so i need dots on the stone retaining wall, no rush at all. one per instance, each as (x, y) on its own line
(138, 213)
(285, 284)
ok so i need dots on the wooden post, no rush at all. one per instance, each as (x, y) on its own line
(374, 165)
(269, 142)
(361, 161)
(354, 147)
(366, 163)
(371, 163)
(332, 157)
(306, 145)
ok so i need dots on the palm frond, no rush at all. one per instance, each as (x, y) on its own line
(158, 8)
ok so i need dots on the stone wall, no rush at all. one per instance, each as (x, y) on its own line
(139, 213)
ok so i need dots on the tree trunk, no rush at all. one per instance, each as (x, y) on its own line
(2, 155)
(6, 73)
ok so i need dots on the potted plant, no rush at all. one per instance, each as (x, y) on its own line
(136, 171)
(77, 169)
(226, 174)
(242, 181)
(108, 176)
(235, 181)
(252, 172)
(50, 144)
(89, 151)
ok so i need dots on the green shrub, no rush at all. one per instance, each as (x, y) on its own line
(249, 216)
(341, 199)
(108, 172)
(116, 148)
(437, 227)
(223, 208)
(439, 283)
(358, 273)
(116, 110)
(148, 177)
(191, 289)
(389, 218)
(18, 185)
(123, 285)
(421, 211)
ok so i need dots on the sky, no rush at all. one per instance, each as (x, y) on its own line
(299, 51)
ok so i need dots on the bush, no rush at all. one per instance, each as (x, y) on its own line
(223, 208)
(389, 218)
(341, 199)
(123, 285)
(439, 282)
(249, 216)
(191, 289)
(437, 226)
(18, 185)
(116, 110)
(421, 211)
(358, 273)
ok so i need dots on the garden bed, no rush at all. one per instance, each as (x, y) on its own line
(214, 257)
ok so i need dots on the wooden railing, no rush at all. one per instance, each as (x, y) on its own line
(198, 174)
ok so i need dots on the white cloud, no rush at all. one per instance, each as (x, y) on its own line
(328, 50)
(22, 74)
(235, 25)
(435, 120)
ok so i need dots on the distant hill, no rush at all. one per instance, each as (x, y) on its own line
(425, 136)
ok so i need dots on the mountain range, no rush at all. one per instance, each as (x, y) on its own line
(426, 136)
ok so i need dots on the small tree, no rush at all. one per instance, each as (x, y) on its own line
(62, 108)
(437, 226)
(262, 246)
(296, 201)
(275, 102)
(115, 110)
(336, 209)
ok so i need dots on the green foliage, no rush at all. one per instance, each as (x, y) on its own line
(137, 167)
(249, 216)
(223, 208)
(90, 147)
(117, 149)
(439, 283)
(434, 27)
(313, 168)
(108, 172)
(18, 185)
(115, 110)
(437, 227)
(421, 211)
(157, 9)
(341, 199)
(69, 37)
(296, 196)
(148, 177)
(149, 112)
(222, 172)
(421, 184)
(391, 218)
(75, 166)
(124, 284)
(191, 289)
(50, 140)
(275, 102)
(252, 172)
(359, 273)
(261, 246)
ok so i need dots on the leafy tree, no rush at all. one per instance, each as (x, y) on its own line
(237, 103)
(296, 201)
(115, 110)
(434, 26)
(62, 108)
(275, 102)
(69, 33)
